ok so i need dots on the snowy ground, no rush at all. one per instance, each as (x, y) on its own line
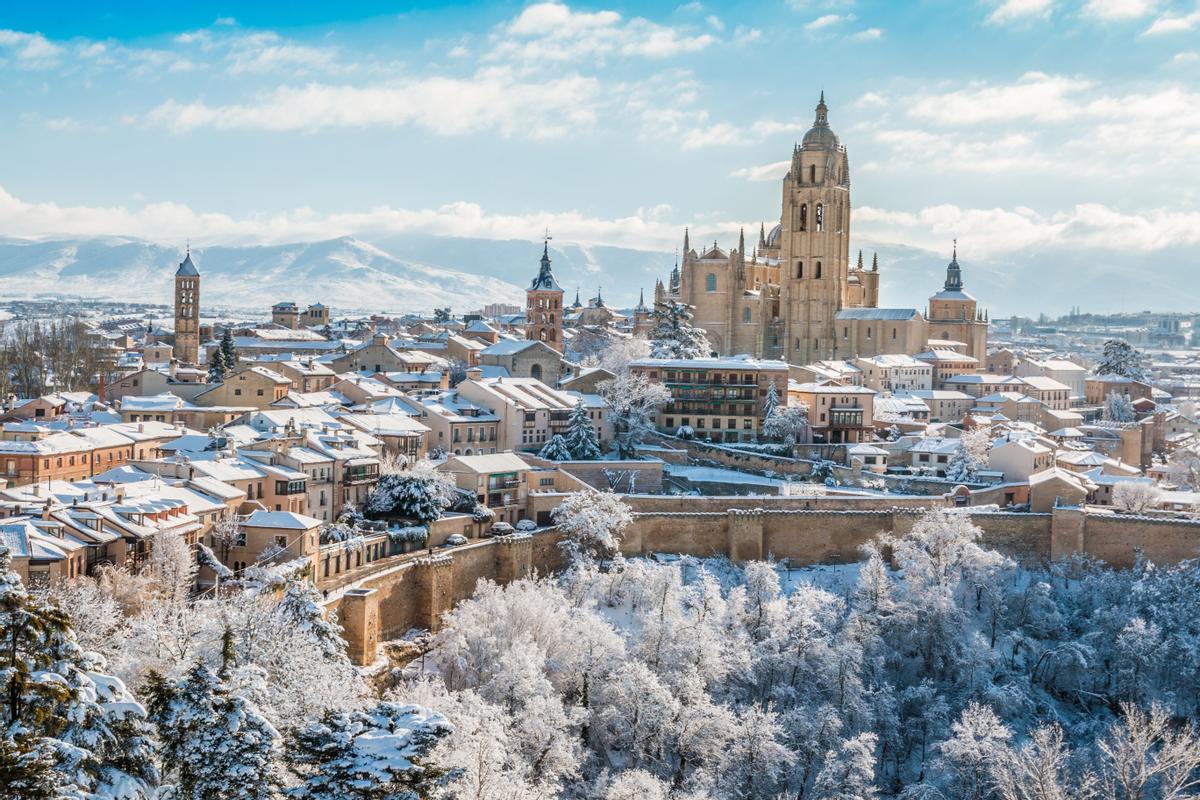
(718, 475)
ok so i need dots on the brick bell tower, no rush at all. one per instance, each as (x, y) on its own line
(544, 305)
(187, 311)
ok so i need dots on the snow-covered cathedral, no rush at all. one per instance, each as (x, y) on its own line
(797, 296)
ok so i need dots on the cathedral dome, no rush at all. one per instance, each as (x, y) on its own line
(773, 236)
(820, 136)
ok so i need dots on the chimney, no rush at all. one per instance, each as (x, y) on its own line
(474, 373)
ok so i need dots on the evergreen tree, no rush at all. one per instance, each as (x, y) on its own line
(216, 366)
(1120, 358)
(376, 754)
(556, 449)
(422, 493)
(229, 351)
(62, 722)
(771, 402)
(216, 744)
(301, 606)
(673, 335)
(581, 437)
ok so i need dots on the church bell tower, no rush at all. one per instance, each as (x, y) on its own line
(187, 311)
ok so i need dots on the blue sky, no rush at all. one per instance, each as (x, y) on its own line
(1011, 124)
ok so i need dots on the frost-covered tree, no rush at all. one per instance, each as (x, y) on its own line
(978, 741)
(1118, 407)
(632, 402)
(581, 438)
(421, 493)
(214, 743)
(1135, 497)
(971, 456)
(849, 772)
(556, 449)
(593, 523)
(300, 607)
(1120, 358)
(673, 335)
(63, 722)
(618, 352)
(771, 401)
(172, 566)
(376, 754)
(1185, 462)
(788, 424)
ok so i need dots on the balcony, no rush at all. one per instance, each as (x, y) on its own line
(359, 475)
(845, 418)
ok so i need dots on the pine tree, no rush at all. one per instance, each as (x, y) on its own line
(301, 607)
(216, 744)
(422, 493)
(673, 335)
(216, 366)
(376, 754)
(771, 402)
(556, 449)
(229, 351)
(1118, 408)
(62, 721)
(581, 437)
(1120, 358)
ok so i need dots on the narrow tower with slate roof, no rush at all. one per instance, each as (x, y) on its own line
(187, 311)
(544, 305)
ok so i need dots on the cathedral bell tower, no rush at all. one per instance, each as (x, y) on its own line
(544, 305)
(187, 311)
(814, 243)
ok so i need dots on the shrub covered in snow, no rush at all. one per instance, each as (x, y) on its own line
(411, 534)
(421, 493)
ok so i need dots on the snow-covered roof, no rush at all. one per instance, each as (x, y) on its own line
(738, 362)
(898, 314)
(280, 519)
(508, 347)
(496, 462)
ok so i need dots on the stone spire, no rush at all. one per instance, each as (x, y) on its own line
(860, 261)
(762, 234)
(687, 248)
(875, 262)
(954, 272)
(545, 280)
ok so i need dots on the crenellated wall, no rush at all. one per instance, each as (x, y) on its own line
(417, 592)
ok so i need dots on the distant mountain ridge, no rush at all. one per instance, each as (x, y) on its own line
(400, 273)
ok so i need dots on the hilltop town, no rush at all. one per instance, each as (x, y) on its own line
(288, 515)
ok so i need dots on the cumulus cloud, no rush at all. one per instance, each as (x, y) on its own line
(31, 50)
(492, 99)
(763, 172)
(1015, 10)
(1174, 23)
(551, 32)
(823, 21)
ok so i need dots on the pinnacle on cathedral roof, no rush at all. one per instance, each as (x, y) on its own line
(820, 136)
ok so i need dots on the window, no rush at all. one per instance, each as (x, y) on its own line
(710, 283)
(260, 392)
(799, 269)
(535, 372)
(237, 392)
(818, 270)
(820, 217)
(812, 173)
(845, 333)
(746, 316)
(803, 217)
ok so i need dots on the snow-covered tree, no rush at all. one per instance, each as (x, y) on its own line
(63, 722)
(581, 437)
(421, 493)
(229, 353)
(216, 366)
(300, 608)
(978, 741)
(172, 566)
(849, 772)
(788, 424)
(1118, 407)
(632, 402)
(673, 335)
(556, 449)
(617, 354)
(376, 754)
(1145, 755)
(1186, 464)
(971, 456)
(214, 743)
(594, 523)
(1135, 497)
(771, 401)
(1120, 358)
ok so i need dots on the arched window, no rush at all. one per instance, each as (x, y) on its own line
(818, 273)
(535, 372)
(868, 333)
(812, 173)
(799, 269)
(710, 283)
(893, 333)
(803, 217)
(945, 334)
(746, 316)
(820, 217)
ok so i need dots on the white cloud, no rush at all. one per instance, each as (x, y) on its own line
(268, 52)
(1035, 95)
(763, 172)
(993, 231)
(1186, 57)
(1174, 23)
(1119, 9)
(869, 35)
(31, 50)
(492, 99)
(1015, 10)
(823, 21)
(551, 32)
